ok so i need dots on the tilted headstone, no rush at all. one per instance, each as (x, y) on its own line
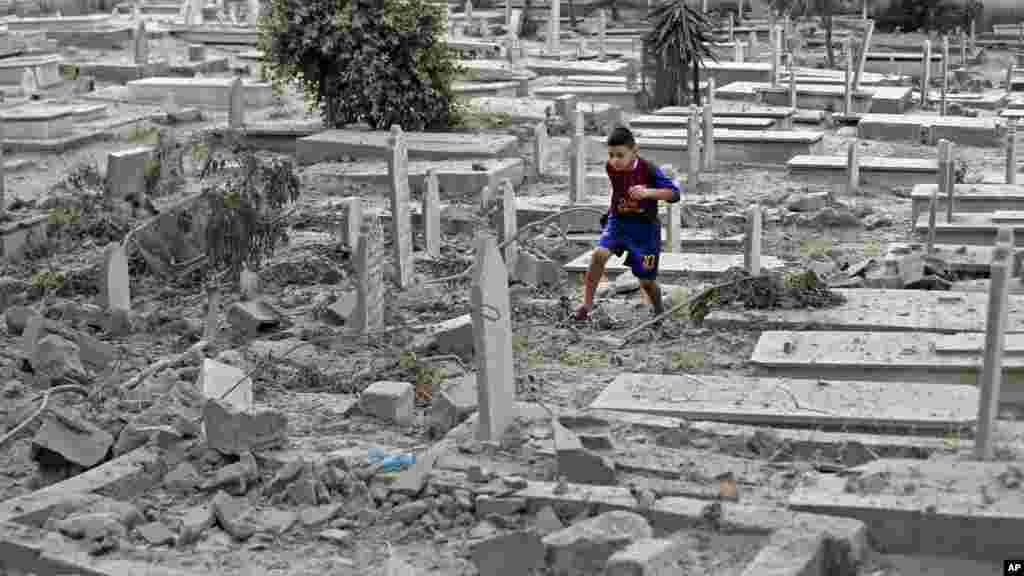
(752, 247)
(140, 44)
(236, 105)
(578, 166)
(432, 214)
(492, 339)
(992, 374)
(126, 173)
(509, 225)
(369, 313)
(115, 284)
(401, 228)
(540, 149)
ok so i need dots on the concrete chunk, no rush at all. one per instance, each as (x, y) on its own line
(455, 402)
(72, 440)
(252, 316)
(232, 432)
(388, 400)
(578, 464)
(513, 554)
(585, 547)
(647, 557)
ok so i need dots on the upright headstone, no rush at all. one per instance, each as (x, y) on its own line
(946, 184)
(792, 89)
(708, 148)
(963, 50)
(248, 283)
(554, 42)
(578, 167)
(196, 11)
(492, 339)
(233, 14)
(353, 208)
(401, 231)
(853, 168)
(926, 75)
(752, 241)
(236, 105)
(848, 81)
(3, 178)
(509, 226)
(212, 325)
(933, 208)
(995, 339)
(732, 28)
(945, 75)
(775, 54)
(115, 289)
(540, 149)
(673, 242)
(432, 215)
(565, 107)
(140, 44)
(862, 58)
(196, 52)
(693, 150)
(1011, 150)
(369, 313)
(754, 49)
(602, 31)
(737, 52)
(29, 86)
(126, 173)
(508, 17)
(974, 37)
(469, 11)
(252, 15)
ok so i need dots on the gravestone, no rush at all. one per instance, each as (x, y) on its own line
(602, 31)
(29, 86)
(140, 44)
(115, 283)
(236, 105)
(1011, 150)
(432, 215)
(540, 149)
(401, 228)
(752, 247)
(926, 74)
(674, 228)
(253, 14)
(353, 221)
(196, 10)
(508, 222)
(492, 339)
(212, 325)
(853, 168)
(995, 341)
(126, 174)
(196, 53)
(554, 34)
(709, 128)
(369, 313)
(578, 166)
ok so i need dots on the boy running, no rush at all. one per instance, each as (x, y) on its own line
(632, 224)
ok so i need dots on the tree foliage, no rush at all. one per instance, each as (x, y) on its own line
(382, 62)
(943, 16)
(680, 43)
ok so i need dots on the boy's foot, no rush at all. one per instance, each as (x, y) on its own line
(582, 313)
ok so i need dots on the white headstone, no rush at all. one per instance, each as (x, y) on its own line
(509, 226)
(492, 339)
(236, 105)
(432, 214)
(196, 10)
(554, 40)
(29, 86)
(540, 149)
(249, 283)
(602, 31)
(233, 14)
(752, 251)
(353, 221)
(253, 13)
(115, 290)
(140, 44)
(578, 167)
(369, 314)
(401, 228)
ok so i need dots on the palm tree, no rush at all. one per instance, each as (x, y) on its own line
(680, 43)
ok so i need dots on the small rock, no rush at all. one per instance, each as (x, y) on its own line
(876, 221)
(183, 479)
(235, 478)
(811, 202)
(390, 401)
(236, 432)
(156, 534)
(194, 522)
(252, 316)
(302, 492)
(512, 554)
(485, 529)
(71, 440)
(91, 526)
(57, 358)
(584, 548)
(515, 482)
(234, 515)
(488, 505)
(478, 474)
(547, 521)
(409, 511)
(315, 516)
(596, 441)
(335, 536)
(17, 318)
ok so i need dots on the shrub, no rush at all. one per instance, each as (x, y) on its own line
(382, 62)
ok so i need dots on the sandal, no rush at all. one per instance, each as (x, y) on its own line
(582, 314)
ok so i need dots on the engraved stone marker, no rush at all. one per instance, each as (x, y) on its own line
(432, 215)
(492, 338)
(508, 222)
(369, 313)
(236, 105)
(401, 227)
(115, 285)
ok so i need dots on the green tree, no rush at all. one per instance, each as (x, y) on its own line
(680, 44)
(805, 8)
(382, 62)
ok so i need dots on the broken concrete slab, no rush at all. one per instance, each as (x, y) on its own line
(234, 432)
(584, 547)
(341, 144)
(673, 265)
(956, 507)
(882, 310)
(225, 383)
(73, 440)
(252, 316)
(952, 361)
(790, 401)
(576, 463)
(511, 554)
(968, 198)
(454, 402)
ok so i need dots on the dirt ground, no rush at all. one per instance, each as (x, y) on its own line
(558, 364)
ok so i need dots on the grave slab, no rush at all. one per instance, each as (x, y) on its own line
(340, 144)
(809, 96)
(743, 111)
(19, 236)
(689, 239)
(455, 177)
(46, 69)
(969, 198)
(199, 92)
(122, 72)
(957, 508)
(917, 128)
(791, 402)
(959, 259)
(768, 147)
(566, 68)
(275, 135)
(680, 123)
(874, 171)
(535, 110)
(506, 89)
(674, 265)
(36, 122)
(989, 100)
(619, 96)
(217, 35)
(969, 228)
(881, 310)
(893, 357)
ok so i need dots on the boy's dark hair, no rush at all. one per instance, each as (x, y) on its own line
(621, 136)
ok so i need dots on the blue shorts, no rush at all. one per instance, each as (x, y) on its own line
(640, 239)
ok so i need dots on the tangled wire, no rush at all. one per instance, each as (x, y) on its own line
(767, 291)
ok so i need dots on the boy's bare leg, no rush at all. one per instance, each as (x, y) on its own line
(653, 292)
(598, 261)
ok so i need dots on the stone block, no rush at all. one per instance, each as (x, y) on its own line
(126, 173)
(234, 432)
(454, 402)
(387, 400)
(252, 316)
(75, 441)
(576, 463)
(342, 309)
(196, 52)
(513, 554)
(585, 547)
(648, 557)
(225, 383)
(453, 336)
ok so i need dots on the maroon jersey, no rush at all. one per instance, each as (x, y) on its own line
(642, 174)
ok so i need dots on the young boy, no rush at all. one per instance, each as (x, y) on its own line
(632, 221)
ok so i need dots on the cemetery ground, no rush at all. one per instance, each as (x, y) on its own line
(316, 479)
